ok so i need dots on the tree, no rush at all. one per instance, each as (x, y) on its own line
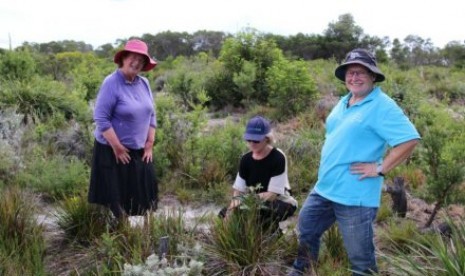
(55, 47)
(399, 53)
(342, 36)
(442, 140)
(105, 51)
(454, 54)
(416, 51)
(208, 41)
(166, 44)
(299, 46)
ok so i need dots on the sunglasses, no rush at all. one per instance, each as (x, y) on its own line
(253, 141)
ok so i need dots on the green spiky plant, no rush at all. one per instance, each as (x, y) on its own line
(22, 245)
(437, 255)
(398, 234)
(81, 221)
(242, 244)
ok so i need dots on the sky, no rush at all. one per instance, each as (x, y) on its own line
(99, 22)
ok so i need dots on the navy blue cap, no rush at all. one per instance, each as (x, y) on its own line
(257, 128)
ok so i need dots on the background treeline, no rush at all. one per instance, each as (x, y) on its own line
(339, 37)
(206, 86)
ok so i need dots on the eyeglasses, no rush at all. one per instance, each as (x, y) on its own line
(253, 141)
(361, 74)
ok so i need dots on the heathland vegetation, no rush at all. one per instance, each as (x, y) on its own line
(46, 98)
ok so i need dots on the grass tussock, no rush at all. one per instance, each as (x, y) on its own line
(81, 221)
(22, 246)
(244, 245)
(431, 255)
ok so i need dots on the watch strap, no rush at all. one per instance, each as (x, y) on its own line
(379, 170)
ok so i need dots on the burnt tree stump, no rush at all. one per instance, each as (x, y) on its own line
(398, 196)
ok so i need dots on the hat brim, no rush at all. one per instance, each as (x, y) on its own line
(149, 66)
(341, 70)
(254, 137)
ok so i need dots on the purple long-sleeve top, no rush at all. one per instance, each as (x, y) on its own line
(127, 107)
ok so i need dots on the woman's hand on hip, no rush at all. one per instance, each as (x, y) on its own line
(364, 170)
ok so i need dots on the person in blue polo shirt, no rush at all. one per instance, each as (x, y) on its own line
(359, 130)
(264, 168)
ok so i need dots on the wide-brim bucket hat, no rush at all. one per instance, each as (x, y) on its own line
(139, 47)
(362, 57)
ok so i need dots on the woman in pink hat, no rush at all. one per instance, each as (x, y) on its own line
(122, 175)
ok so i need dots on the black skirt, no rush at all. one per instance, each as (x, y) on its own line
(131, 186)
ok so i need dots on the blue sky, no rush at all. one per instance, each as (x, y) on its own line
(103, 21)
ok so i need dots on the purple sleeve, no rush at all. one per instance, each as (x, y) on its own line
(104, 105)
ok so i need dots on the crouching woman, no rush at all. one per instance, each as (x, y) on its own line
(263, 170)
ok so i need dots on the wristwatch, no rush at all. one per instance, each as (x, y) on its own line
(379, 170)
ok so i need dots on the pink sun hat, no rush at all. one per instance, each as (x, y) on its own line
(139, 47)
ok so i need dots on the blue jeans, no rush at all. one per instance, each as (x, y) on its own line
(356, 226)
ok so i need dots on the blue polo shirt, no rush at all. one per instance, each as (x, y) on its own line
(360, 133)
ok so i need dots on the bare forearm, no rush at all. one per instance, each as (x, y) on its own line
(398, 155)
(235, 202)
(151, 135)
(267, 196)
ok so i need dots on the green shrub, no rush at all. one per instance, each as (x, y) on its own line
(55, 176)
(442, 143)
(291, 87)
(189, 79)
(39, 98)
(16, 65)
(303, 152)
